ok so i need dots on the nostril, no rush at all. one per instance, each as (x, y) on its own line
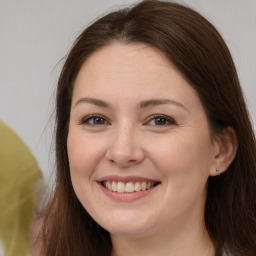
(125, 157)
(132, 161)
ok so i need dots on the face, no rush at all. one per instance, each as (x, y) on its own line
(139, 145)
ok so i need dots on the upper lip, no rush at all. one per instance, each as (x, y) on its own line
(126, 179)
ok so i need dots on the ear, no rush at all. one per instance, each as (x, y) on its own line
(225, 148)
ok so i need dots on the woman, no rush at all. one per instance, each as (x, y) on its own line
(155, 149)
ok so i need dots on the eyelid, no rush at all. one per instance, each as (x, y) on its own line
(84, 120)
(170, 119)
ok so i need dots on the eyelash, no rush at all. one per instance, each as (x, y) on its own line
(165, 120)
(85, 120)
(168, 120)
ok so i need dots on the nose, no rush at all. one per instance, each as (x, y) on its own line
(125, 147)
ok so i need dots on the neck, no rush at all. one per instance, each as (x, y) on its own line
(173, 242)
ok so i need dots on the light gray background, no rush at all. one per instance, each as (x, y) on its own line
(36, 35)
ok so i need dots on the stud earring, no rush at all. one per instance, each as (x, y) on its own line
(218, 171)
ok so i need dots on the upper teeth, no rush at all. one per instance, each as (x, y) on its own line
(128, 187)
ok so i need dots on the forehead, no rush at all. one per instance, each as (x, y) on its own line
(121, 64)
(118, 50)
(124, 76)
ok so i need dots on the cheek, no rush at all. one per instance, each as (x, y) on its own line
(84, 156)
(184, 163)
(183, 155)
(83, 153)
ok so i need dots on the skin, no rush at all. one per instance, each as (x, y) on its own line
(125, 139)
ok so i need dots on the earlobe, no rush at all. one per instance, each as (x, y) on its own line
(225, 151)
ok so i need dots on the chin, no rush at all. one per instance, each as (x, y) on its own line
(126, 231)
(127, 225)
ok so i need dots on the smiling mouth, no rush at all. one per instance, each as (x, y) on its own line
(128, 187)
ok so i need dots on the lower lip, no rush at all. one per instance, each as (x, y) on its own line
(126, 197)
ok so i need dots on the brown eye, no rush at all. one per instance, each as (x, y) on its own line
(161, 120)
(94, 120)
(98, 120)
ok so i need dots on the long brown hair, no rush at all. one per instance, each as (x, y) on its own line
(195, 47)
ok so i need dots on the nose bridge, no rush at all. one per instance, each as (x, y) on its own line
(125, 148)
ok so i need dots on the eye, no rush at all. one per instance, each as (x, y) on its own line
(94, 120)
(161, 120)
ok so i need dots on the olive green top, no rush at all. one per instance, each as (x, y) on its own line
(19, 173)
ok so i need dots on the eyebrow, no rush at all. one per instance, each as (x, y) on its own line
(141, 105)
(93, 101)
(156, 102)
